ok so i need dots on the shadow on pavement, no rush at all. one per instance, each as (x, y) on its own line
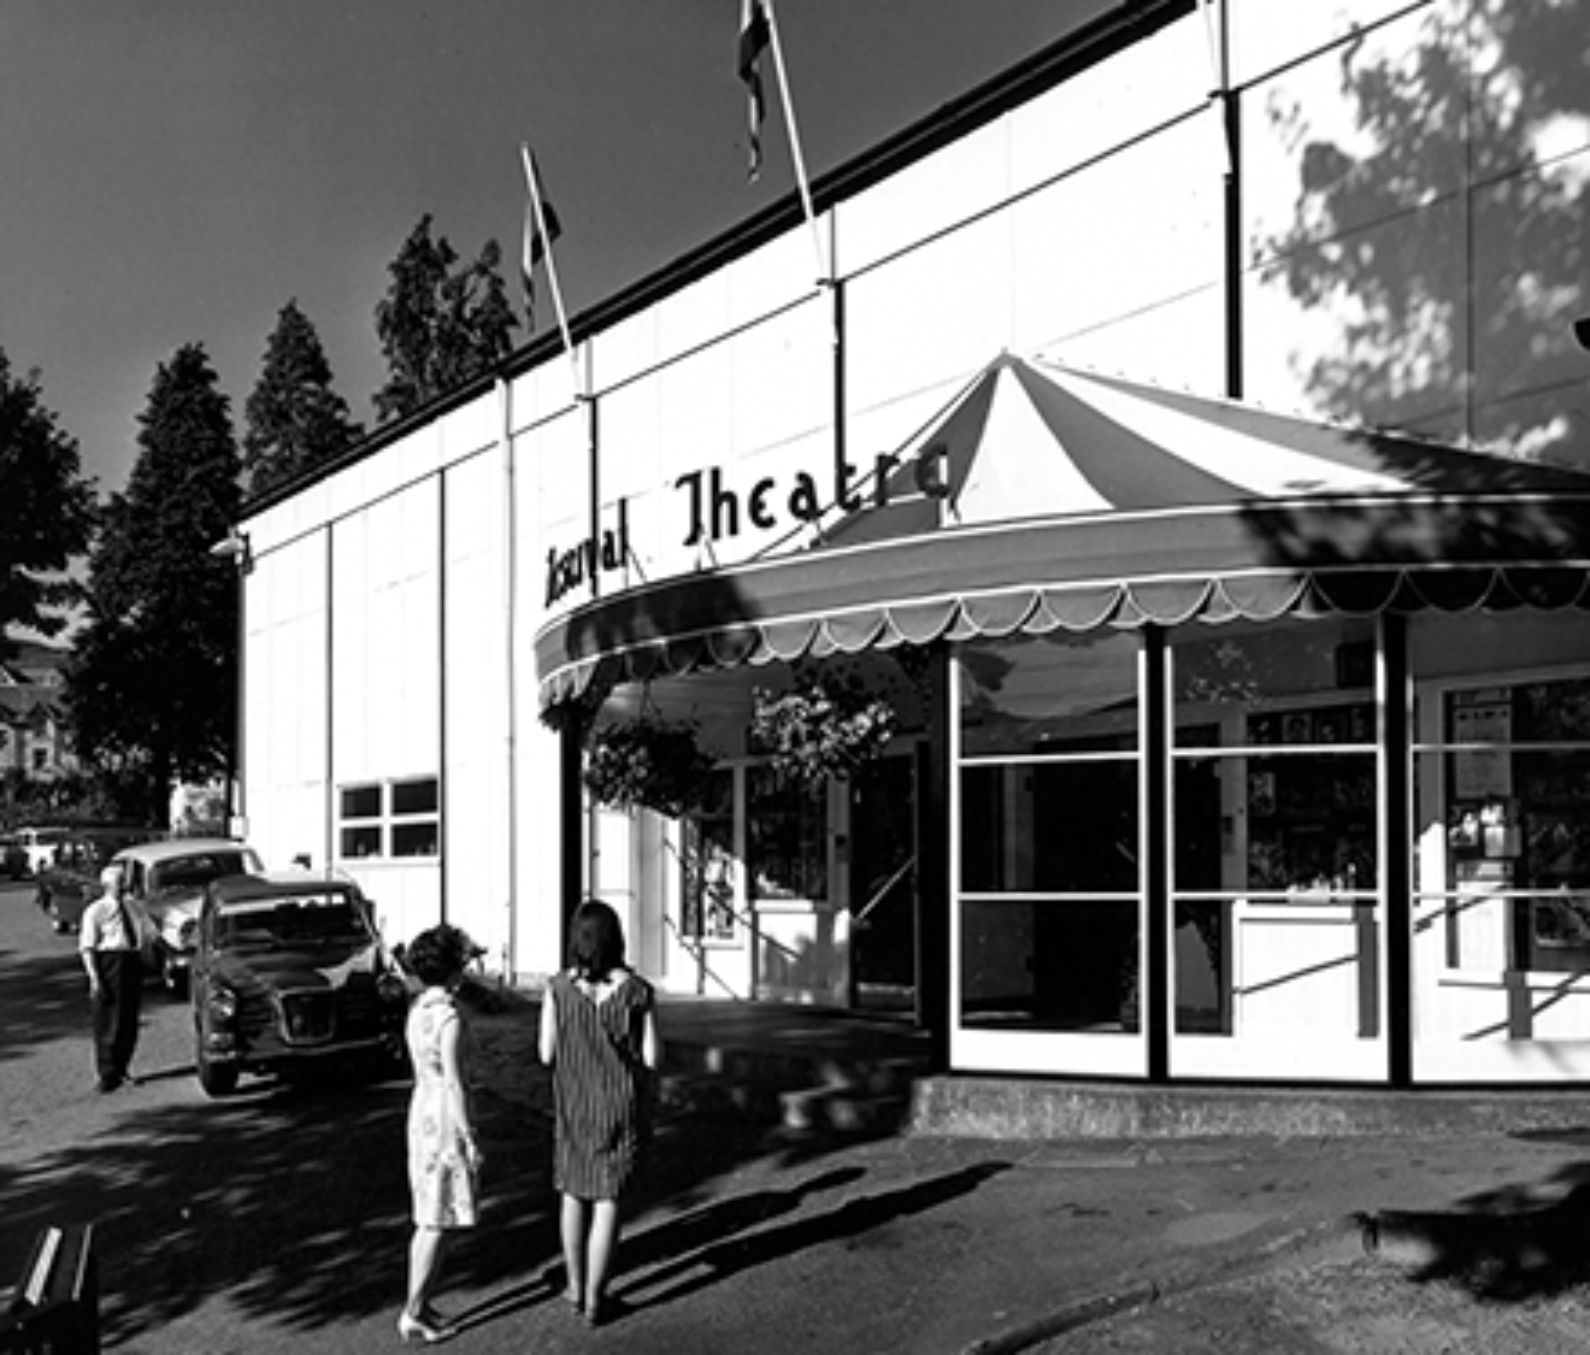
(289, 1202)
(728, 1256)
(1502, 1246)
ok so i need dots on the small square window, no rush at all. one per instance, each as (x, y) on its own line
(361, 802)
(361, 842)
(414, 839)
(414, 797)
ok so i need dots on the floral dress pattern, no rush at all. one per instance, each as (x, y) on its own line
(440, 1178)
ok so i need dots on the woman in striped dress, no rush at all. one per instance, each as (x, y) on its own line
(599, 1035)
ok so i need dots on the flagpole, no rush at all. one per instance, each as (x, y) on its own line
(552, 267)
(823, 277)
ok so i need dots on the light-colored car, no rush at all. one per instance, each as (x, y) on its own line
(165, 881)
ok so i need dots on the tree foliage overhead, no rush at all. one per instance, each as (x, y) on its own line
(293, 420)
(153, 689)
(46, 507)
(441, 322)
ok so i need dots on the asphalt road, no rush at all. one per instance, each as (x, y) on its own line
(276, 1220)
(261, 1198)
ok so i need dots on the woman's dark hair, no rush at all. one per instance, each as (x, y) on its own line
(438, 953)
(596, 941)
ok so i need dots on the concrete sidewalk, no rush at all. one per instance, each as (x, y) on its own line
(896, 1238)
(755, 1236)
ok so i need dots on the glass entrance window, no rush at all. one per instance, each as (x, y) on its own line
(1501, 984)
(1510, 869)
(1274, 842)
(1049, 882)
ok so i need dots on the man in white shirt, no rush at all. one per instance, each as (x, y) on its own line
(108, 942)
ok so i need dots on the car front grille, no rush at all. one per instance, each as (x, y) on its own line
(308, 1018)
(302, 1018)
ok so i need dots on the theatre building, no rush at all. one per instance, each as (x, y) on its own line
(1176, 448)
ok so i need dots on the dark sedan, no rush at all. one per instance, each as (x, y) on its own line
(71, 881)
(289, 969)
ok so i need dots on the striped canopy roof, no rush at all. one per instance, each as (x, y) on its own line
(1045, 497)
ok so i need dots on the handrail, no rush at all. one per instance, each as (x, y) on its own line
(883, 890)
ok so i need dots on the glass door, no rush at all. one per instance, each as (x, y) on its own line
(1278, 926)
(1047, 899)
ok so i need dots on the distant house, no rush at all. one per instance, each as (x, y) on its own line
(33, 733)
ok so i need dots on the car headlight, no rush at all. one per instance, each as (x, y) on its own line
(221, 1003)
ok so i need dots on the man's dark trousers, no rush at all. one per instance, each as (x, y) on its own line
(116, 1013)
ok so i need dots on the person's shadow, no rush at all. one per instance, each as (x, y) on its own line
(685, 1234)
(723, 1256)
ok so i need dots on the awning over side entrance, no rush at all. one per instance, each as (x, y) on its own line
(1045, 498)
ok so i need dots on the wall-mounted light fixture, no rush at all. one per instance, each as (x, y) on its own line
(234, 547)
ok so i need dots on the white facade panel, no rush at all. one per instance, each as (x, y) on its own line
(387, 644)
(939, 311)
(1305, 129)
(1163, 79)
(475, 790)
(935, 195)
(286, 688)
(1266, 36)
(1133, 237)
(535, 831)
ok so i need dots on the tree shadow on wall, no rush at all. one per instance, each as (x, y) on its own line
(1480, 116)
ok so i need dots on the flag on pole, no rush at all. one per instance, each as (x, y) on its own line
(754, 36)
(541, 228)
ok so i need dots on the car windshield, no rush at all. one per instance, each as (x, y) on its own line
(194, 872)
(324, 919)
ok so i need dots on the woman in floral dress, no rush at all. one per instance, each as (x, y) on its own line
(599, 1034)
(443, 1158)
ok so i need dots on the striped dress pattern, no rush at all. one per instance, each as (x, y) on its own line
(601, 1087)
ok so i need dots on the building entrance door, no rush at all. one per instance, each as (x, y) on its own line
(883, 884)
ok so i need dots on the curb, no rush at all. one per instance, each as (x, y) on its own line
(1343, 1235)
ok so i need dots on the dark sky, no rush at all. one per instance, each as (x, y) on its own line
(175, 171)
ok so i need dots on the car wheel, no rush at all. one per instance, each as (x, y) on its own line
(217, 1079)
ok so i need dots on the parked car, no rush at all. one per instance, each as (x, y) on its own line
(13, 857)
(71, 881)
(166, 883)
(290, 969)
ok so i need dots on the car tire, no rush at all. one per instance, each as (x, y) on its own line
(217, 1079)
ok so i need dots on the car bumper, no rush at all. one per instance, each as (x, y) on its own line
(221, 1050)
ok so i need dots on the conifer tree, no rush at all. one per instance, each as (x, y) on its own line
(46, 508)
(153, 688)
(293, 419)
(440, 323)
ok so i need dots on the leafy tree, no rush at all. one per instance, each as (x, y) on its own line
(153, 688)
(293, 419)
(440, 323)
(46, 508)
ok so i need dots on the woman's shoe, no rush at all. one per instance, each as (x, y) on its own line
(411, 1328)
